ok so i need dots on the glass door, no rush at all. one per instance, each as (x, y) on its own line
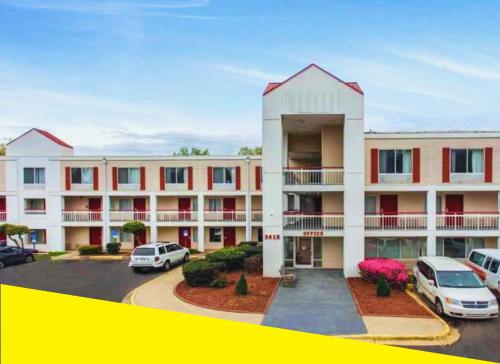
(303, 252)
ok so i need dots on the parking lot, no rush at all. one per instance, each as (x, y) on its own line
(112, 280)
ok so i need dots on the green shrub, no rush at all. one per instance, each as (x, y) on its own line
(250, 242)
(200, 272)
(231, 257)
(241, 286)
(194, 251)
(113, 248)
(383, 289)
(90, 249)
(253, 264)
(249, 249)
(220, 282)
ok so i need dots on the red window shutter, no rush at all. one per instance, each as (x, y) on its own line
(374, 165)
(258, 178)
(190, 178)
(68, 178)
(238, 178)
(416, 165)
(115, 178)
(96, 178)
(143, 178)
(446, 165)
(162, 178)
(210, 178)
(488, 165)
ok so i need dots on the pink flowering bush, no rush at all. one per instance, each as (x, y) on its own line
(391, 269)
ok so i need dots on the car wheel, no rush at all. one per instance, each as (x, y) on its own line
(2, 264)
(29, 259)
(438, 306)
(166, 265)
(186, 258)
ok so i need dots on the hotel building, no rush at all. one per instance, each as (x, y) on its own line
(324, 194)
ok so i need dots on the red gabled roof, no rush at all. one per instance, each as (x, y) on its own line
(47, 135)
(274, 85)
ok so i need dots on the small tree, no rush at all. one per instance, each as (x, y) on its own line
(250, 151)
(13, 231)
(383, 289)
(134, 227)
(241, 286)
(184, 152)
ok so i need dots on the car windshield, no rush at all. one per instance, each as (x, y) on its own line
(459, 279)
(144, 251)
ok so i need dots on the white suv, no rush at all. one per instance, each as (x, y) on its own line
(157, 255)
(454, 288)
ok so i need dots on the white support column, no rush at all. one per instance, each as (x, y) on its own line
(498, 209)
(248, 212)
(153, 227)
(201, 225)
(431, 222)
(106, 233)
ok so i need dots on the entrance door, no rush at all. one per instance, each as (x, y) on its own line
(185, 237)
(303, 252)
(454, 205)
(3, 237)
(229, 206)
(389, 206)
(229, 236)
(95, 209)
(140, 208)
(184, 206)
(140, 239)
(95, 235)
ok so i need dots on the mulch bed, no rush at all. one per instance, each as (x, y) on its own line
(260, 293)
(398, 304)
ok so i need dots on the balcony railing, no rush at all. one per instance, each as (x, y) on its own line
(176, 215)
(118, 216)
(256, 216)
(313, 176)
(3, 216)
(308, 222)
(223, 216)
(81, 216)
(404, 221)
(468, 221)
(34, 211)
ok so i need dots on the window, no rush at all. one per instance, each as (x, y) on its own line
(194, 237)
(215, 235)
(487, 262)
(126, 237)
(34, 176)
(467, 161)
(34, 206)
(395, 161)
(318, 252)
(175, 175)
(477, 258)
(457, 247)
(37, 236)
(259, 235)
(162, 250)
(122, 204)
(82, 176)
(494, 266)
(214, 204)
(223, 175)
(128, 175)
(439, 205)
(288, 251)
(370, 205)
(399, 248)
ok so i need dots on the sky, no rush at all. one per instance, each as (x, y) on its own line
(151, 76)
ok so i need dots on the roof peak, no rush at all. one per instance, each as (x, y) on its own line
(46, 134)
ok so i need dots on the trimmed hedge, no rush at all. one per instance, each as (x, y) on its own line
(90, 249)
(113, 248)
(200, 272)
(250, 250)
(231, 257)
(249, 242)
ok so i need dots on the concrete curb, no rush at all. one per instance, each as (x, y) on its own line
(445, 333)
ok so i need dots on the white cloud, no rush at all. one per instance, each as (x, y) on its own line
(463, 69)
(253, 75)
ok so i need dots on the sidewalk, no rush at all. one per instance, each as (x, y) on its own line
(159, 293)
(74, 255)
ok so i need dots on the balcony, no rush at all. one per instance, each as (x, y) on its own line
(468, 221)
(128, 215)
(225, 216)
(403, 221)
(176, 215)
(40, 211)
(81, 216)
(313, 176)
(256, 216)
(3, 215)
(312, 222)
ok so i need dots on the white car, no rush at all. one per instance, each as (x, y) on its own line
(486, 263)
(454, 288)
(157, 255)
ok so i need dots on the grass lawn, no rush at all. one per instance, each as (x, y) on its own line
(48, 255)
